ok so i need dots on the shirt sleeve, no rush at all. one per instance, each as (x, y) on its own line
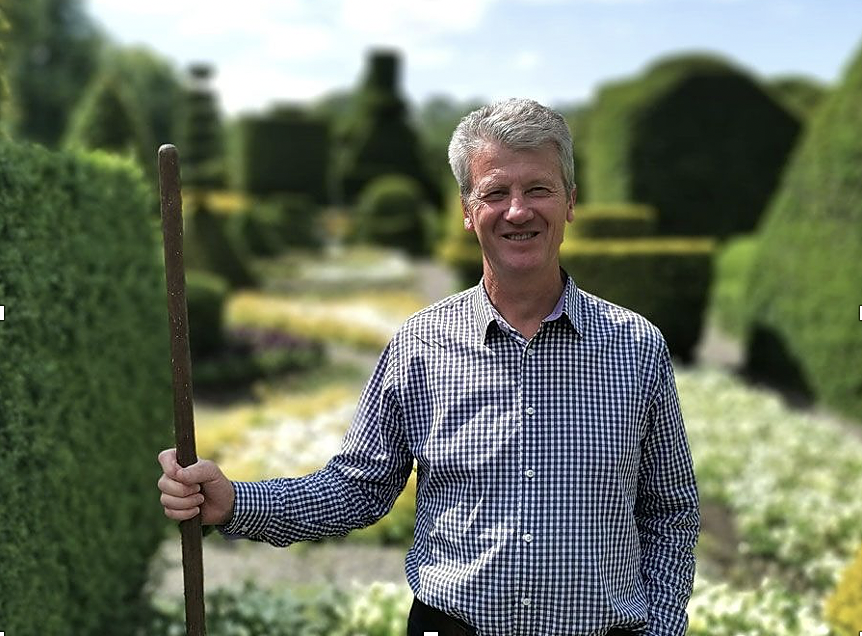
(667, 511)
(356, 487)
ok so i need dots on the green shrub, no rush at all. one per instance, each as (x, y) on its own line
(205, 298)
(210, 246)
(800, 95)
(284, 150)
(379, 139)
(279, 221)
(85, 398)
(732, 270)
(664, 279)
(618, 220)
(805, 283)
(694, 137)
(392, 212)
(200, 128)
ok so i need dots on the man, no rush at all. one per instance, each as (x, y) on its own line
(555, 491)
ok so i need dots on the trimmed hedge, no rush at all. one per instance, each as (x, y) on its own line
(379, 138)
(805, 286)
(732, 270)
(392, 212)
(665, 279)
(694, 137)
(272, 224)
(209, 246)
(282, 151)
(85, 396)
(612, 220)
(205, 297)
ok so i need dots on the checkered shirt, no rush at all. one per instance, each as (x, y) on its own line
(555, 490)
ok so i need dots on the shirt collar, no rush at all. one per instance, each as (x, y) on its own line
(486, 314)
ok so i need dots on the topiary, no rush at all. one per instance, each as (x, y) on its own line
(205, 298)
(696, 138)
(392, 212)
(802, 296)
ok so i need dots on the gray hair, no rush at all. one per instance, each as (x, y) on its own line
(517, 124)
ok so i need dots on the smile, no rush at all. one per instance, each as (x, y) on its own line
(522, 236)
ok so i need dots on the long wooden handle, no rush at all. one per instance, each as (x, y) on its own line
(181, 366)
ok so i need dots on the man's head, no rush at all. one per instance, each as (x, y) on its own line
(517, 124)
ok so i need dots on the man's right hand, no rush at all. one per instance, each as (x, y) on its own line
(197, 489)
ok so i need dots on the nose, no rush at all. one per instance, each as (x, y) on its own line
(518, 211)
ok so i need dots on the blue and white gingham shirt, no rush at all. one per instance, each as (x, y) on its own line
(555, 491)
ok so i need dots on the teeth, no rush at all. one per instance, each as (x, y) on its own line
(520, 237)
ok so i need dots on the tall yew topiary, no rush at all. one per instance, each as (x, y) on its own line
(200, 129)
(806, 281)
(694, 137)
(379, 138)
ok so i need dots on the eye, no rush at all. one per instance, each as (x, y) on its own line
(493, 195)
(540, 191)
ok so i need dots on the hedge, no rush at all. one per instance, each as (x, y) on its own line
(732, 270)
(211, 247)
(205, 297)
(85, 398)
(392, 212)
(282, 151)
(696, 138)
(612, 220)
(805, 289)
(665, 279)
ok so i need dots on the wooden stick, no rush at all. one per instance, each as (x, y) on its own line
(184, 424)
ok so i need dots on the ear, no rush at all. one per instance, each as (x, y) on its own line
(468, 216)
(570, 213)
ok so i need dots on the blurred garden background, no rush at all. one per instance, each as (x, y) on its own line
(723, 204)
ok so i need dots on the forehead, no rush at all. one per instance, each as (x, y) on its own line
(493, 162)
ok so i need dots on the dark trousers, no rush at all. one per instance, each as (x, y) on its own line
(424, 618)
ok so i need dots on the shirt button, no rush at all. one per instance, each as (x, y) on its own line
(530, 472)
(525, 601)
(530, 410)
(531, 352)
(244, 529)
(528, 537)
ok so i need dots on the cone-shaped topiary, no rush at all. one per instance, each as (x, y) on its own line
(201, 137)
(380, 139)
(107, 118)
(805, 287)
(694, 137)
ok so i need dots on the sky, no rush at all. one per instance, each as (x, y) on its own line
(555, 51)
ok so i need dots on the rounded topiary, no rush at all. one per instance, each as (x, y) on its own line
(844, 606)
(208, 247)
(804, 290)
(696, 138)
(391, 212)
(205, 298)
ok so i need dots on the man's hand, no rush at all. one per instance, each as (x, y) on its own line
(197, 489)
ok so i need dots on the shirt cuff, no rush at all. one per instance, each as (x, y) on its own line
(252, 511)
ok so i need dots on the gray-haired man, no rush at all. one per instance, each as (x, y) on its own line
(555, 491)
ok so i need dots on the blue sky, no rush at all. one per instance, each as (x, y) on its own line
(556, 51)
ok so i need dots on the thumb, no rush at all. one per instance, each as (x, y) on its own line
(201, 471)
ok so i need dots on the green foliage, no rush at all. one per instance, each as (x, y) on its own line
(732, 270)
(85, 400)
(285, 150)
(800, 95)
(200, 131)
(53, 51)
(155, 87)
(375, 610)
(380, 140)
(106, 118)
(209, 247)
(803, 328)
(844, 605)
(205, 298)
(392, 212)
(694, 137)
(606, 220)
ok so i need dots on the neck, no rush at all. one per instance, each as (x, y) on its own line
(524, 301)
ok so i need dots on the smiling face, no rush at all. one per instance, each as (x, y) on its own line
(518, 208)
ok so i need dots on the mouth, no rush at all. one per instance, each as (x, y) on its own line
(520, 236)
